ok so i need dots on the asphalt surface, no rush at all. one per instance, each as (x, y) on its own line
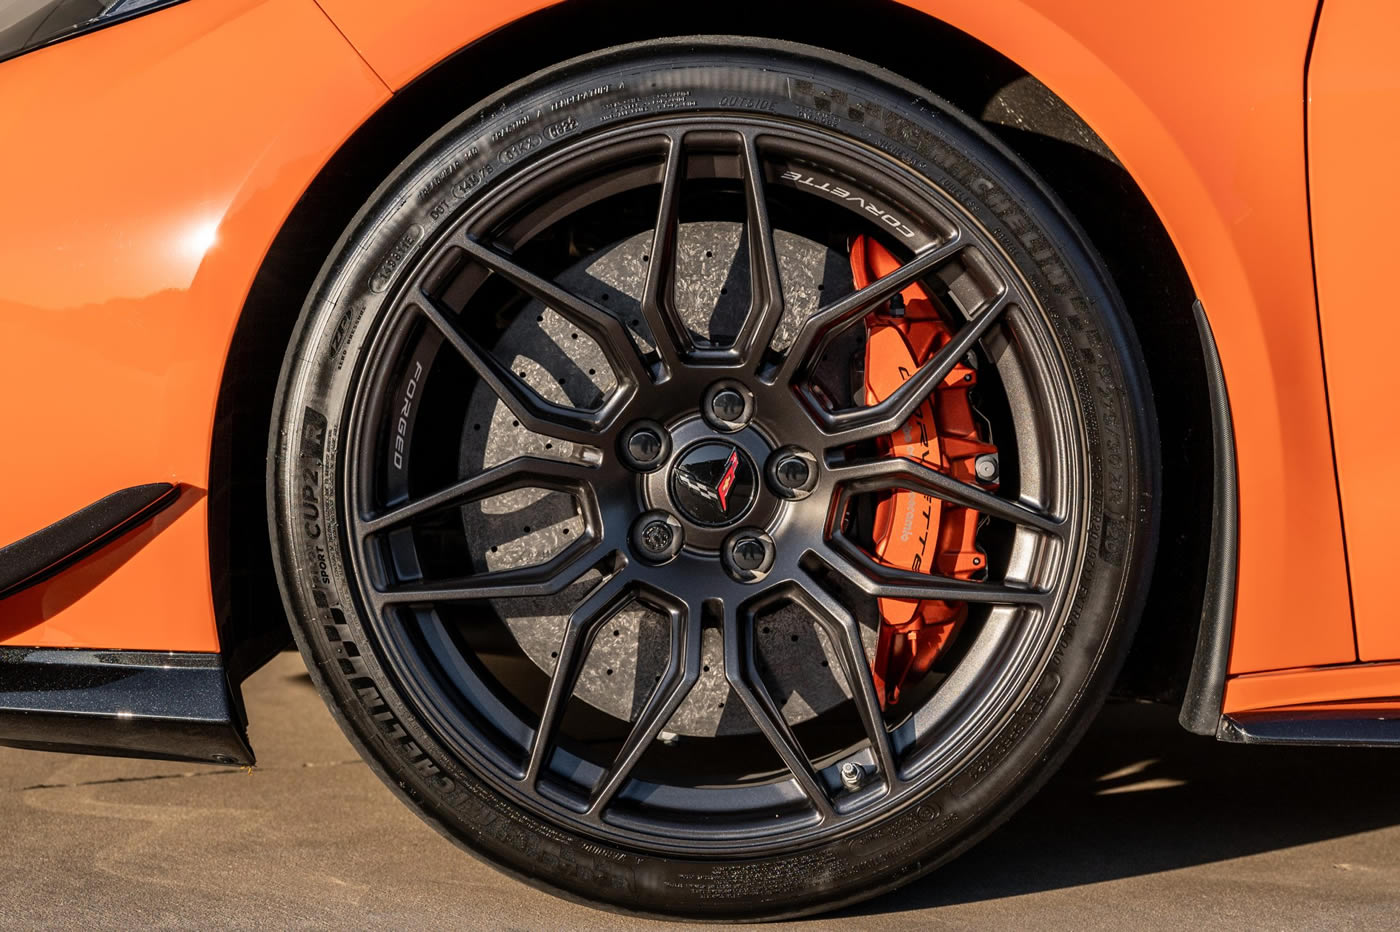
(1147, 827)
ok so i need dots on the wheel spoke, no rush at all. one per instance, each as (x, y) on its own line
(844, 631)
(901, 473)
(682, 672)
(519, 473)
(886, 582)
(765, 285)
(602, 326)
(548, 578)
(600, 605)
(857, 424)
(532, 411)
(827, 321)
(668, 334)
(741, 670)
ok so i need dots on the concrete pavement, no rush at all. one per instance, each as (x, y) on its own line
(1147, 827)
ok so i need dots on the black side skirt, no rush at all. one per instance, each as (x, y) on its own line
(1358, 727)
(175, 706)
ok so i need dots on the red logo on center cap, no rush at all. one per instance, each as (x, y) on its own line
(730, 467)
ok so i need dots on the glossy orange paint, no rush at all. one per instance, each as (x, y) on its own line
(173, 146)
(1353, 148)
(1311, 685)
(159, 158)
(1210, 124)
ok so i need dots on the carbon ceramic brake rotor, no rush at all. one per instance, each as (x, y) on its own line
(528, 526)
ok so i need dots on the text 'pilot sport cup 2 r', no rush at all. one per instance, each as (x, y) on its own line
(715, 513)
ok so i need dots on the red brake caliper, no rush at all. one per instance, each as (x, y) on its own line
(915, 531)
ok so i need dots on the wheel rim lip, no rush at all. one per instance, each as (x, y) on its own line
(622, 828)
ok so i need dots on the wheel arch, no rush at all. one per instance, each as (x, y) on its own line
(1014, 106)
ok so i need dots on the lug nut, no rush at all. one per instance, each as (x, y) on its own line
(987, 467)
(852, 775)
(644, 446)
(792, 472)
(727, 406)
(748, 554)
(657, 537)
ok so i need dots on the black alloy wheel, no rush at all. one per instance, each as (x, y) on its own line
(572, 481)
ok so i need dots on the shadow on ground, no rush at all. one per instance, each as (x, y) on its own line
(1141, 796)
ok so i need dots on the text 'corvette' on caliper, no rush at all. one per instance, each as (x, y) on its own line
(913, 530)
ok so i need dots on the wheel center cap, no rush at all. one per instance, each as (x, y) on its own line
(714, 483)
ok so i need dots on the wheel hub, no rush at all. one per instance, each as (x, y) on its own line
(713, 484)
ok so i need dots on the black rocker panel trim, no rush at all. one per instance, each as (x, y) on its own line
(1205, 690)
(161, 704)
(1352, 727)
(51, 549)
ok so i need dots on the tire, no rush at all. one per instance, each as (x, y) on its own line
(436, 721)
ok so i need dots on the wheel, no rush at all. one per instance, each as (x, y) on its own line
(718, 483)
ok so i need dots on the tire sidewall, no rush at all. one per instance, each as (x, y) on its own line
(519, 128)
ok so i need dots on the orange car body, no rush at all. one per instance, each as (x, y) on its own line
(147, 169)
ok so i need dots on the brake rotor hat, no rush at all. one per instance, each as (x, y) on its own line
(528, 526)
